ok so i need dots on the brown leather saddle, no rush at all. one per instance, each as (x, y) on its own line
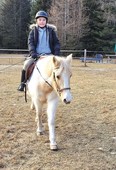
(30, 70)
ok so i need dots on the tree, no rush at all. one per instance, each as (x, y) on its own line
(14, 23)
(93, 39)
(109, 7)
(83, 24)
(39, 5)
(68, 17)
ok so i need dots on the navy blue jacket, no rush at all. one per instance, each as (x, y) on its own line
(53, 40)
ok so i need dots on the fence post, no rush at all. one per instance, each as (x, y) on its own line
(85, 55)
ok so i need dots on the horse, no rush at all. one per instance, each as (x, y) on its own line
(49, 82)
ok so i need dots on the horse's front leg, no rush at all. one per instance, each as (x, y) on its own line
(51, 111)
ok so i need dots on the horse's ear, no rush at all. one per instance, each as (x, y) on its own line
(69, 58)
(56, 62)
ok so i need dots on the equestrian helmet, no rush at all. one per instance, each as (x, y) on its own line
(41, 14)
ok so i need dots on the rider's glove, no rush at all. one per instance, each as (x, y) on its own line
(34, 55)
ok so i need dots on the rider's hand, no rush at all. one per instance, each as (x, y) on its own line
(34, 55)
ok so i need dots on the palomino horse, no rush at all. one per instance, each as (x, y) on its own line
(50, 81)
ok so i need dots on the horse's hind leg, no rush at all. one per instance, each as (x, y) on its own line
(32, 106)
(38, 107)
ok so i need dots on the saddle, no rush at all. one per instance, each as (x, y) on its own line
(30, 70)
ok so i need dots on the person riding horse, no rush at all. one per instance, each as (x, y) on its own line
(42, 40)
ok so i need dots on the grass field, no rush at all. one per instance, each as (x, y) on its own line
(85, 129)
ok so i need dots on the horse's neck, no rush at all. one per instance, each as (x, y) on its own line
(44, 75)
(45, 68)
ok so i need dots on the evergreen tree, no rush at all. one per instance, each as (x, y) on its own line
(40, 5)
(93, 39)
(110, 28)
(14, 25)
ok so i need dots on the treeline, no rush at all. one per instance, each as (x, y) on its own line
(14, 21)
(80, 23)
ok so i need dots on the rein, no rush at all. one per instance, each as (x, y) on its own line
(43, 77)
(58, 89)
(25, 93)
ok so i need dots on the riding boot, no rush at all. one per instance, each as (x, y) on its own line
(22, 85)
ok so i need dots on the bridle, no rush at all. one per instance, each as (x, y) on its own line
(57, 87)
(59, 91)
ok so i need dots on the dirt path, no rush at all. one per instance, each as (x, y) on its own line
(85, 129)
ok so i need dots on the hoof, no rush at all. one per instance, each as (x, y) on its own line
(54, 147)
(40, 133)
(32, 107)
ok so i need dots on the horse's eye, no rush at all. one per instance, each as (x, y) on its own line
(58, 77)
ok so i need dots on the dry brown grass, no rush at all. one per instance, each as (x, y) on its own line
(85, 129)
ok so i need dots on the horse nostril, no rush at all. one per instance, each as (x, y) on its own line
(66, 102)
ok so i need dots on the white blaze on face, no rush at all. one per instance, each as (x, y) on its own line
(66, 75)
(66, 96)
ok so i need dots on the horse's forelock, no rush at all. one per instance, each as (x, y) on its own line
(61, 63)
(66, 64)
